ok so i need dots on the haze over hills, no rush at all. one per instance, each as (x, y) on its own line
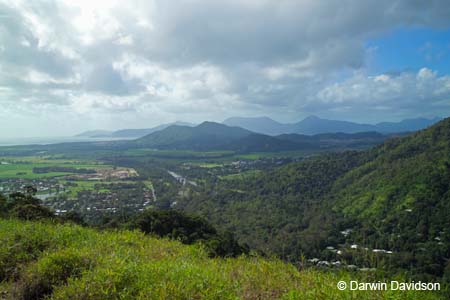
(129, 133)
(216, 136)
(315, 125)
(264, 125)
(211, 136)
(95, 133)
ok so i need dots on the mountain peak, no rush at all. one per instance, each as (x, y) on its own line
(312, 118)
(261, 118)
(264, 124)
(210, 124)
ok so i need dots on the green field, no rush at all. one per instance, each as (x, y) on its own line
(285, 154)
(242, 175)
(207, 165)
(211, 158)
(22, 167)
(84, 185)
(177, 153)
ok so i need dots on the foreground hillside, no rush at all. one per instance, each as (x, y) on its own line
(39, 260)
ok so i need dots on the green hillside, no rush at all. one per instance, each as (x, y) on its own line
(279, 211)
(393, 198)
(53, 261)
(408, 173)
(400, 199)
(215, 136)
(208, 135)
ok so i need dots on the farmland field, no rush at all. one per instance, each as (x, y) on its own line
(22, 167)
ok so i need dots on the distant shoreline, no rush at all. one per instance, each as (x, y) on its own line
(4, 142)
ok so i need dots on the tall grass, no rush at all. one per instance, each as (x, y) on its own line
(45, 260)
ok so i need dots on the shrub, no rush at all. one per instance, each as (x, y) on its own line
(38, 280)
(31, 212)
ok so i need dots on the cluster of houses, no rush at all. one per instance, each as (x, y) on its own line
(92, 203)
(340, 252)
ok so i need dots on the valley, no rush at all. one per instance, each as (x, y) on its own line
(363, 202)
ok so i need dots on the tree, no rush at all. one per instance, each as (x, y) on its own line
(31, 212)
(74, 217)
(3, 205)
(188, 229)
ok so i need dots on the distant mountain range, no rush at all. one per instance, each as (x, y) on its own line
(215, 136)
(315, 125)
(264, 125)
(261, 135)
(128, 133)
(95, 134)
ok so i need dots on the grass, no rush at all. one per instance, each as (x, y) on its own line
(178, 153)
(22, 167)
(242, 175)
(284, 154)
(148, 184)
(203, 158)
(54, 261)
(85, 185)
(209, 165)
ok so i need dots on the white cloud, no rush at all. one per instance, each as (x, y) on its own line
(36, 77)
(195, 82)
(407, 92)
(204, 59)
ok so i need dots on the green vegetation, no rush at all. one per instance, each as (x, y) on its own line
(24, 206)
(254, 156)
(181, 154)
(243, 175)
(53, 261)
(32, 167)
(385, 208)
(187, 229)
(85, 185)
(393, 198)
(271, 210)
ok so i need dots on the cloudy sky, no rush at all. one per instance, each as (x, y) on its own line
(69, 66)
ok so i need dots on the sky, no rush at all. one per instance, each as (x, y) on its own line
(75, 65)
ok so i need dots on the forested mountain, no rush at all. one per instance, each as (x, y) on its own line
(336, 140)
(208, 135)
(311, 125)
(314, 125)
(400, 198)
(406, 125)
(215, 136)
(394, 197)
